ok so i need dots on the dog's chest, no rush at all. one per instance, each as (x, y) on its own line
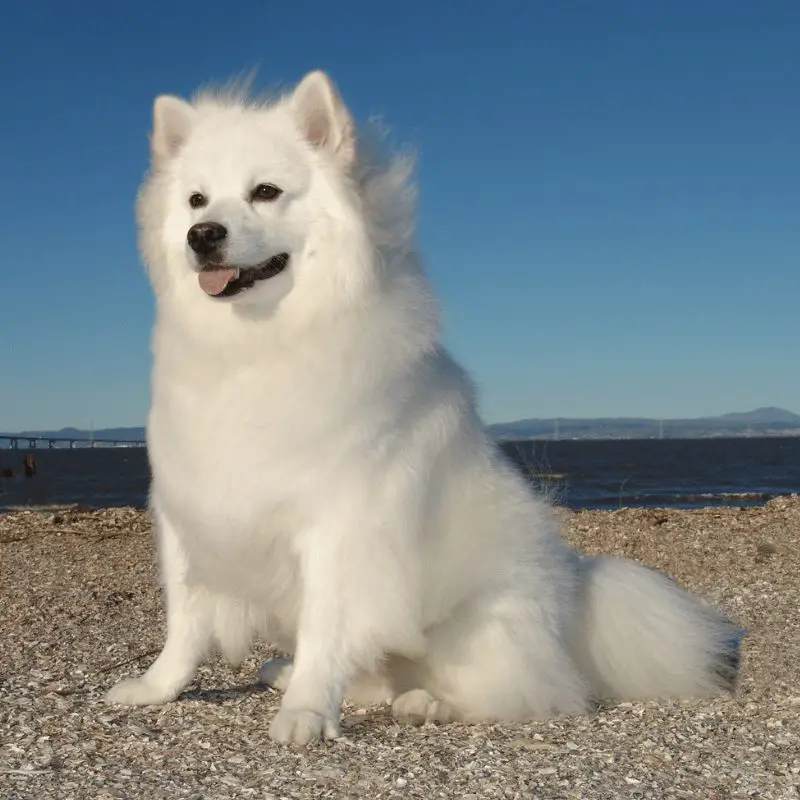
(226, 480)
(226, 443)
(254, 560)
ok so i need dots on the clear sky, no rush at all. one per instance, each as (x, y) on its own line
(610, 191)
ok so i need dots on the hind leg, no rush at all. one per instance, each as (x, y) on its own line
(418, 705)
(504, 659)
(276, 673)
(409, 682)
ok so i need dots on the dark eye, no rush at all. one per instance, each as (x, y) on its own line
(198, 200)
(265, 192)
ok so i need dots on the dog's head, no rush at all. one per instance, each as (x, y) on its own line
(248, 202)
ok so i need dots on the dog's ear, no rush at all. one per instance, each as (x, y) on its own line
(173, 120)
(323, 117)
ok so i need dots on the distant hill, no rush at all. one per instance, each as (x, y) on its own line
(763, 416)
(767, 421)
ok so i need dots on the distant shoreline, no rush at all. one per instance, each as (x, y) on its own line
(81, 444)
(791, 434)
(765, 422)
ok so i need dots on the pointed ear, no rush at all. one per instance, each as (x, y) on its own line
(323, 117)
(173, 120)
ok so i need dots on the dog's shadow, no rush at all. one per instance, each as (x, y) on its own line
(352, 722)
(219, 696)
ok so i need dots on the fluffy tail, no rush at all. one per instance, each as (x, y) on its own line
(644, 637)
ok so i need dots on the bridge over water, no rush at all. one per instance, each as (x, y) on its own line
(34, 442)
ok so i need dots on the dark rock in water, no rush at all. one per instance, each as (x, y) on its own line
(29, 465)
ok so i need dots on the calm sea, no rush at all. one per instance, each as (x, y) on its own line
(576, 473)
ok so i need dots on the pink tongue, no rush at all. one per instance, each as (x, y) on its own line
(214, 281)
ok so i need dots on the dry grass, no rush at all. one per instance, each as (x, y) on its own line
(80, 607)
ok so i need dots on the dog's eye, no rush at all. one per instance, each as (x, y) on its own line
(265, 192)
(198, 200)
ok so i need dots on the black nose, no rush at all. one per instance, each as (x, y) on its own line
(205, 237)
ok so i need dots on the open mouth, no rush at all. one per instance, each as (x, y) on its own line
(218, 280)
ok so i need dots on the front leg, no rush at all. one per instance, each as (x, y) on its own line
(188, 631)
(323, 660)
(359, 601)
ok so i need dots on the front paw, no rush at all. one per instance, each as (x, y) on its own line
(139, 692)
(299, 726)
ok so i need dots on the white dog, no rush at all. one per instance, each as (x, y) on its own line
(320, 473)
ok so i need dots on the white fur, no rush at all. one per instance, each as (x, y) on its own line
(321, 476)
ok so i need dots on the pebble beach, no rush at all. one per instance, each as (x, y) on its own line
(81, 607)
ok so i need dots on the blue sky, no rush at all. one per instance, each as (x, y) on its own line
(610, 192)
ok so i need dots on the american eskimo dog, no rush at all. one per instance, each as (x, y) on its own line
(321, 476)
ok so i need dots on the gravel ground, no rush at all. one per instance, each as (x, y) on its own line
(80, 608)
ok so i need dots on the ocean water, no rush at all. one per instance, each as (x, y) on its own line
(677, 473)
(576, 473)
